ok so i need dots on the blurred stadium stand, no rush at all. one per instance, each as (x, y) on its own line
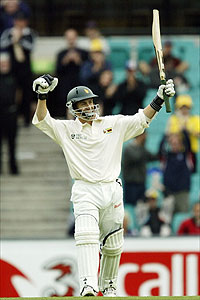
(35, 204)
(115, 17)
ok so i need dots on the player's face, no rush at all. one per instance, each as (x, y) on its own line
(85, 104)
(86, 110)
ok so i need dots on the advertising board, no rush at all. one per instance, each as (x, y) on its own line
(151, 266)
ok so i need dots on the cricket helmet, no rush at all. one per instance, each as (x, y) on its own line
(80, 93)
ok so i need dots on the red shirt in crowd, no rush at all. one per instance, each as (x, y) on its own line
(189, 227)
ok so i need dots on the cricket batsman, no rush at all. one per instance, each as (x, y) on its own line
(92, 147)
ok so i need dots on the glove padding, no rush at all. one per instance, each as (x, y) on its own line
(44, 84)
(168, 88)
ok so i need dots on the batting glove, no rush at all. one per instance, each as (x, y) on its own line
(168, 88)
(44, 84)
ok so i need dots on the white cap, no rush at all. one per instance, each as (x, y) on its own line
(4, 56)
(131, 65)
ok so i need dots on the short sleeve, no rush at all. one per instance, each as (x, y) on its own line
(133, 126)
(55, 129)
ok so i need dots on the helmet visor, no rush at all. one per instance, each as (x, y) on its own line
(86, 114)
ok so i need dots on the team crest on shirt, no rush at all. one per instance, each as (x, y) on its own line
(108, 130)
(78, 136)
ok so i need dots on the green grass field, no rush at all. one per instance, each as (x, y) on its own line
(118, 298)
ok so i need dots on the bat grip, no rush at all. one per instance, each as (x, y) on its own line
(166, 98)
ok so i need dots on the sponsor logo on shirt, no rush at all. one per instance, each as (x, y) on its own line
(78, 136)
(107, 130)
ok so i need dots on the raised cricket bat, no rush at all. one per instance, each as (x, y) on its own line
(159, 53)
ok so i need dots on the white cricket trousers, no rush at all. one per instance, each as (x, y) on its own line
(98, 211)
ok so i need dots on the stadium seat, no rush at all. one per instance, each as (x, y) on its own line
(189, 51)
(119, 53)
(119, 75)
(145, 50)
(195, 188)
(195, 94)
(177, 220)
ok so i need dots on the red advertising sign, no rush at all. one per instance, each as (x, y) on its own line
(49, 268)
(159, 273)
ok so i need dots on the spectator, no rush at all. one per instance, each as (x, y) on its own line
(191, 226)
(154, 224)
(105, 88)
(184, 120)
(181, 83)
(69, 62)
(97, 63)
(134, 161)
(8, 9)
(94, 35)
(131, 92)
(19, 42)
(178, 65)
(8, 111)
(174, 152)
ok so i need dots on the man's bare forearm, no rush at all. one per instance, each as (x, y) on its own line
(149, 112)
(41, 110)
(19, 53)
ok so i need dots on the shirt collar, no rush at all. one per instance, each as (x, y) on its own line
(81, 125)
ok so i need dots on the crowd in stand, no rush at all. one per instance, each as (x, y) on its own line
(90, 66)
(16, 44)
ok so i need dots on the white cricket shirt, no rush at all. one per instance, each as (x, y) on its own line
(93, 153)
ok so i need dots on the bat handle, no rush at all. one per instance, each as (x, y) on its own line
(166, 99)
